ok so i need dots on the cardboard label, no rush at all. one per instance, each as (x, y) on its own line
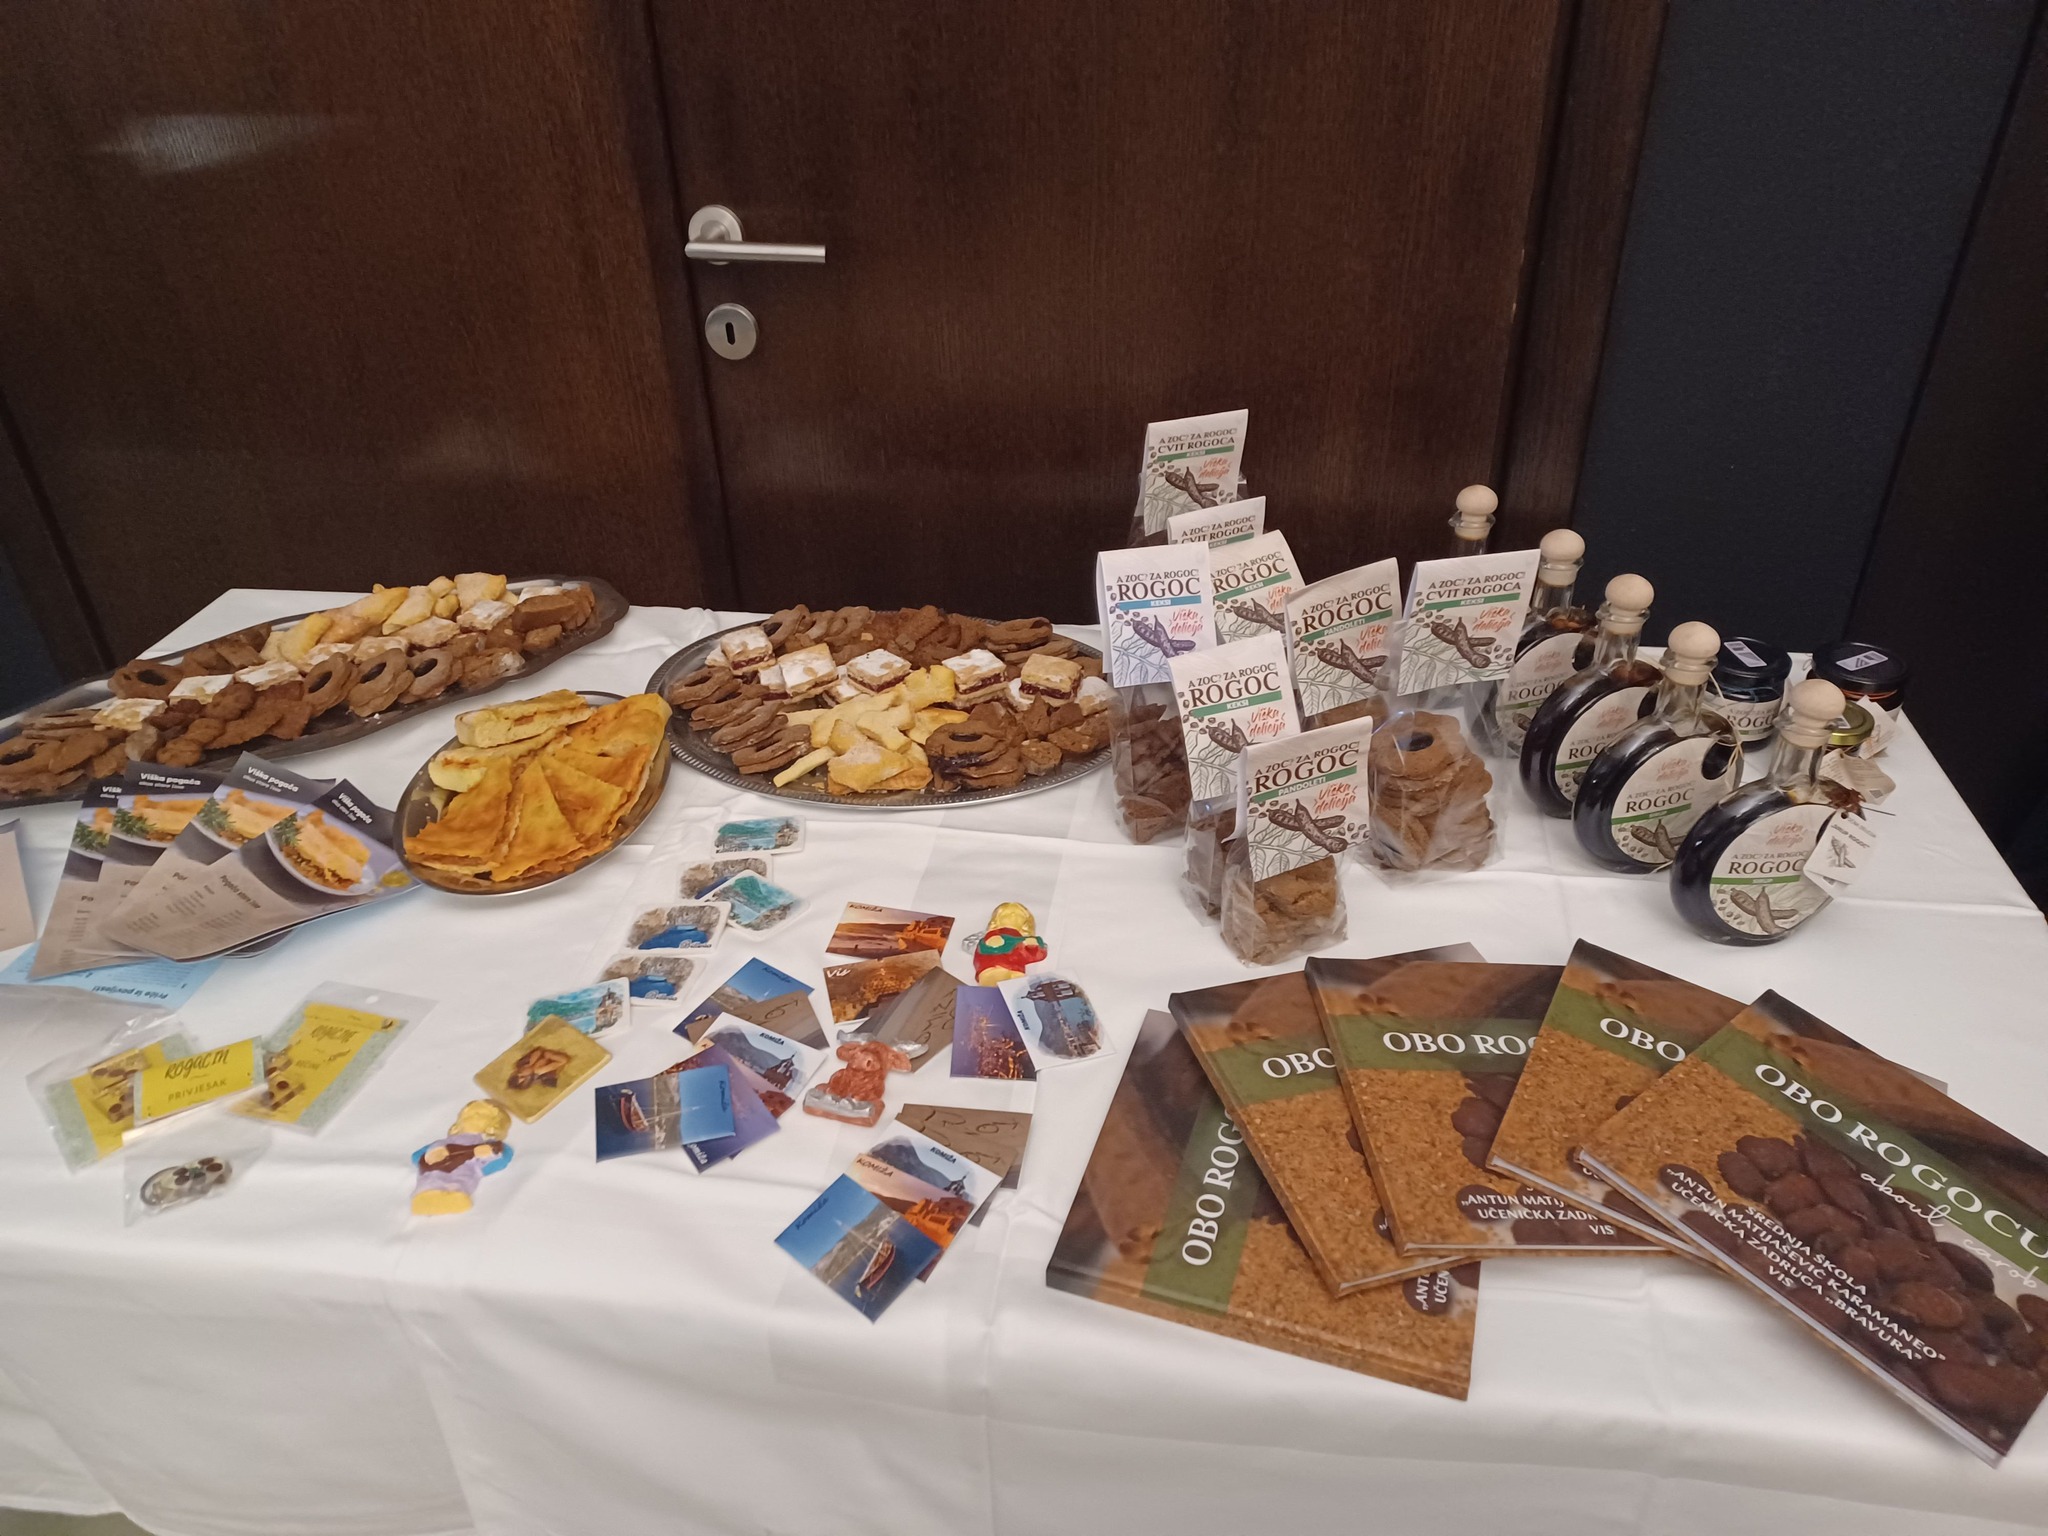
(165, 1087)
(1228, 699)
(1190, 463)
(1302, 798)
(1462, 619)
(1231, 523)
(1842, 852)
(1251, 582)
(1155, 604)
(1338, 631)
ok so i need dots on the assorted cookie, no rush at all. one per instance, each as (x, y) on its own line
(905, 699)
(398, 645)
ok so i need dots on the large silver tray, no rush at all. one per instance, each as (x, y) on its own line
(694, 748)
(423, 802)
(337, 726)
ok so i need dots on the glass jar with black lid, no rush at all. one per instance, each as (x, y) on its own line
(1750, 679)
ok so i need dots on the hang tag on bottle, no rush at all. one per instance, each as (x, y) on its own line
(1842, 852)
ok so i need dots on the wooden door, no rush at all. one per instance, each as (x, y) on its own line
(319, 295)
(1049, 223)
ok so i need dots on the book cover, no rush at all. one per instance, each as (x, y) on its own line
(1614, 1026)
(1905, 1231)
(1428, 1053)
(1173, 1220)
(1261, 1045)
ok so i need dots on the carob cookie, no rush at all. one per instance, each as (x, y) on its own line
(1148, 762)
(1427, 790)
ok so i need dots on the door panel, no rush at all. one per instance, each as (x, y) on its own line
(316, 295)
(1049, 223)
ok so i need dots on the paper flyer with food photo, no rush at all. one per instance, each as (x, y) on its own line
(319, 858)
(1250, 584)
(1338, 634)
(1462, 619)
(1261, 1045)
(1614, 1026)
(1174, 1220)
(66, 941)
(1190, 463)
(1428, 1054)
(1905, 1231)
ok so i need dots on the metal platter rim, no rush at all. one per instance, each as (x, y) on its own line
(692, 749)
(419, 789)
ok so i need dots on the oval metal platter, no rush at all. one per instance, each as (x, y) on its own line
(337, 726)
(694, 748)
(423, 800)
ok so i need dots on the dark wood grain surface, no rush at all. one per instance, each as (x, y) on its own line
(321, 295)
(1610, 63)
(1051, 223)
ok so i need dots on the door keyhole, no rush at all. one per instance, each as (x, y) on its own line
(730, 331)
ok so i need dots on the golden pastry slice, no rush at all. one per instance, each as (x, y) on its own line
(587, 803)
(624, 772)
(466, 838)
(540, 832)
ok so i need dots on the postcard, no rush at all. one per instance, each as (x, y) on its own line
(1055, 1018)
(763, 995)
(919, 1020)
(856, 987)
(782, 1065)
(986, 1042)
(659, 1113)
(868, 932)
(758, 907)
(994, 1138)
(689, 925)
(592, 1009)
(701, 878)
(652, 978)
(542, 1069)
(752, 1119)
(760, 834)
(862, 1250)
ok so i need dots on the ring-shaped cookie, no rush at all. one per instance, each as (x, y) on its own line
(328, 681)
(432, 671)
(382, 683)
(146, 680)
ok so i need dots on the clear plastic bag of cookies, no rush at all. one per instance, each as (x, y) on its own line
(1429, 791)
(1299, 807)
(1225, 700)
(1155, 605)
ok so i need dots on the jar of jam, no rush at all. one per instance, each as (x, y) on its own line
(1750, 678)
(1851, 731)
(1871, 675)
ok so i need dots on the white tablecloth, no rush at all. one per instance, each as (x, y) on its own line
(622, 1348)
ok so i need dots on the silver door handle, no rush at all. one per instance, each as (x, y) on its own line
(715, 237)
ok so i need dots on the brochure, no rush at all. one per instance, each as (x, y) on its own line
(1190, 463)
(1262, 1047)
(153, 807)
(66, 942)
(17, 921)
(1428, 1053)
(1613, 1027)
(1905, 1231)
(1463, 618)
(1173, 1220)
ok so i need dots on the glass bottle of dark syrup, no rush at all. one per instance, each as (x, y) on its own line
(1593, 706)
(1556, 641)
(1738, 877)
(1644, 792)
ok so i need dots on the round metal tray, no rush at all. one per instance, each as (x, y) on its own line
(417, 806)
(694, 747)
(337, 726)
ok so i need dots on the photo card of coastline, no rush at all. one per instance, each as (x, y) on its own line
(869, 932)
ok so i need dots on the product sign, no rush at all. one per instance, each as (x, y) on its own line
(1191, 463)
(1231, 523)
(1462, 619)
(1338, 631)
(1155, 604)
(1252, 582)
(1302, 798)
(1229, 698)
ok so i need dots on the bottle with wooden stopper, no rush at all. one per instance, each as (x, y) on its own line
(1739, 875)
(1472, 523)
(1594, 705)
(1642, 794)
(1556, 642)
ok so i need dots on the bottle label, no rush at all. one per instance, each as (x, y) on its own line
(1843, 849)
(1532, 679)
(1758, 885)
(1661, 800)
(1753, 719)
(1593, 733)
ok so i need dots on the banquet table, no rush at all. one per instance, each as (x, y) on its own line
(621, 1347)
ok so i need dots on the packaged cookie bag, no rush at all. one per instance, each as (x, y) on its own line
(1299, 801)
(1227, 699)
(1155, 605)
(1338, 633)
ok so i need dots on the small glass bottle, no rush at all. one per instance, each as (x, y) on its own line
(1750, 679)
(1595, 705)
(1556, 642)
(1472, 523)
(1644, 792)
(1738, 877)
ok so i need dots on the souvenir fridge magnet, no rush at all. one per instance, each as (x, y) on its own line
(450, 1169)
(1008, 946)
(855, 1092)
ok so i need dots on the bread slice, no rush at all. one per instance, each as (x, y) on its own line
(496, 725)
